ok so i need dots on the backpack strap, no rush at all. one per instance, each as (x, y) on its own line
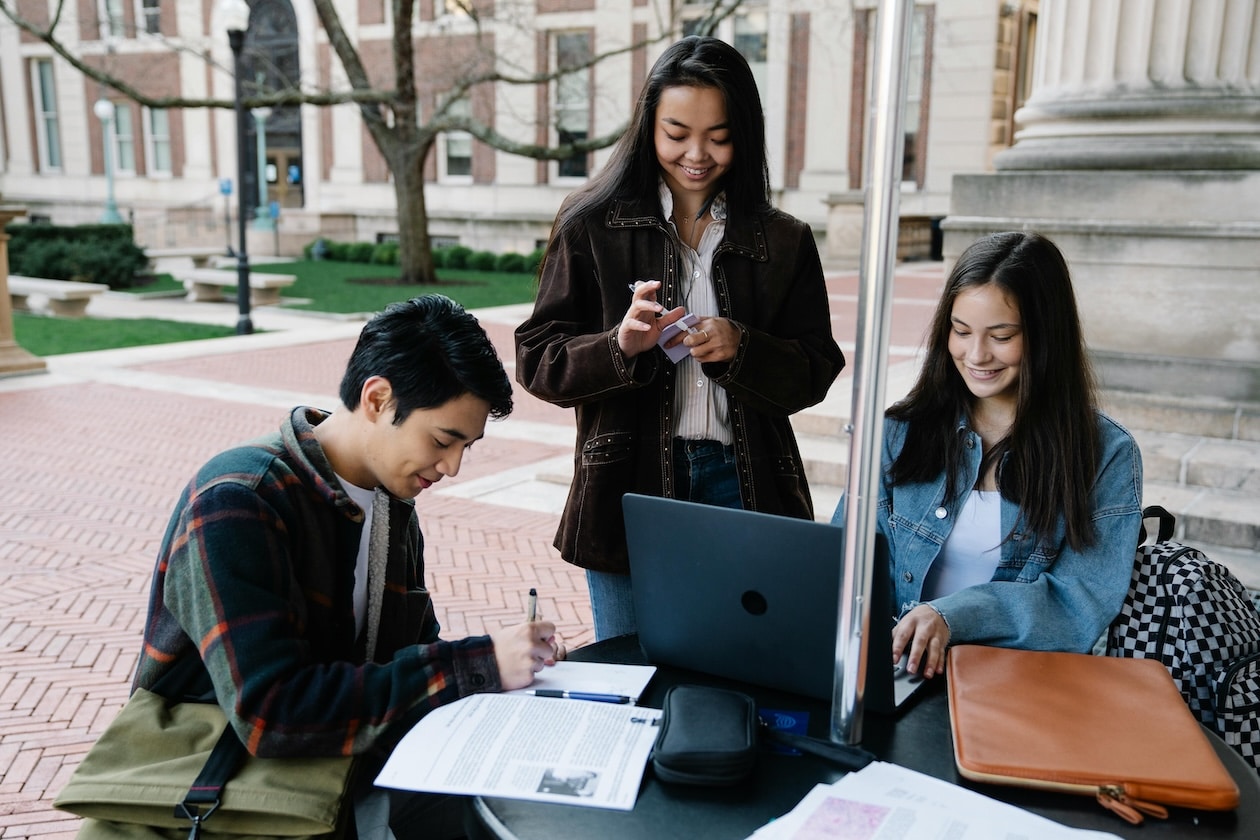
(1167, 523)
(207, 789)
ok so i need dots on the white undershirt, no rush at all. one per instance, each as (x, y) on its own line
(364, 499)
(973, 548)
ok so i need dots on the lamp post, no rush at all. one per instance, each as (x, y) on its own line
(262, 215)
(235, 16)
(104, 110)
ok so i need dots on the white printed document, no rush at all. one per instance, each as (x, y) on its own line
(616, 683)
(572, 752)
(886, 802)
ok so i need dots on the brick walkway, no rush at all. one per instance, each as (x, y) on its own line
(95, 452)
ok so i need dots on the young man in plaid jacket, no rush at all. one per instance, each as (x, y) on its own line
(293, 564)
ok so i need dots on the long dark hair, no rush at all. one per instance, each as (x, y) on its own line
(632, 170)
(1049, 458)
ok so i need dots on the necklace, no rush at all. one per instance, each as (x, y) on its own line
(692, 222)
(689, 239)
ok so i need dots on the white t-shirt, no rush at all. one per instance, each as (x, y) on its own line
(972, 550)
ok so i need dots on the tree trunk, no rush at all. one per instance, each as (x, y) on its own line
(415, 257)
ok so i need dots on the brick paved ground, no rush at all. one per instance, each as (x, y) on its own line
(93, 454)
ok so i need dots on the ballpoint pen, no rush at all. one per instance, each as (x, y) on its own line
(531, 611)
(580, 695)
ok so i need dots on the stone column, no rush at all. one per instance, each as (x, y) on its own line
(1138, 152)
(13, 358)
(1146, 85)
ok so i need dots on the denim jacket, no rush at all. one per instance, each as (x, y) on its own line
(1044, 595)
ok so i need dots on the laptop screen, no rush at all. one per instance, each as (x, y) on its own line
(744, 595)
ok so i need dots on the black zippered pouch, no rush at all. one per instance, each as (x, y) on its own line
(708, 736)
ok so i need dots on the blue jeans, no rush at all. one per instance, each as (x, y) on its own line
(704, 471)
(612, 607)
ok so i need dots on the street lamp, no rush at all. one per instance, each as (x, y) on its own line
(262, 216)
(235, 17)
(104, 110)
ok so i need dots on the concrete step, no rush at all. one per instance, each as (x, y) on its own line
(1226, 518)
(1198, 416)
(1195, 461)
(1201, 459)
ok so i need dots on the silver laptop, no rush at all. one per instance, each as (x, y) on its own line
(750, 596)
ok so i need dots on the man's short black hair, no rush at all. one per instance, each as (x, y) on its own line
(431, 351)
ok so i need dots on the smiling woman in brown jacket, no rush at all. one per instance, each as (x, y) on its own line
(678, 222)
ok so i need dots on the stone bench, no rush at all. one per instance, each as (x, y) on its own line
(200, 255)
(66, 298)
(207, 284)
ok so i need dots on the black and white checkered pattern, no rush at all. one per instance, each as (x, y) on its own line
(1194, 616)
(1238, 707)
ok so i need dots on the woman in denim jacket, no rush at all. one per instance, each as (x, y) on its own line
(1011, 504)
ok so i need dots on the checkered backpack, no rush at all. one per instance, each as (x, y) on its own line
(1194, 616)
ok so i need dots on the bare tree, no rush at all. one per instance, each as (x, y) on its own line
(403, 125)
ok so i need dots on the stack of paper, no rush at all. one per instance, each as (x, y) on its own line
(574, 752)
(884, 800)
(612, 683)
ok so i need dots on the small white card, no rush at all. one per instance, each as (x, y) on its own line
(686, 323)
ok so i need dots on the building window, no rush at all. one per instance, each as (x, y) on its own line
(453, 8)
(572, 99)
(915, 109)
(112, 23)
(151, 15)
(48, 125)
(911, 116)
(750, 36)
(158, 151)
(747, 31)
(456, 152)
(124, 140)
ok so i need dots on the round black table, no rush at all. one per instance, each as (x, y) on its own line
(918, 738)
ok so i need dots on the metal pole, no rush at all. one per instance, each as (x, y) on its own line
(244, 326)
(885, 145)
(104, 110)
(262, 215)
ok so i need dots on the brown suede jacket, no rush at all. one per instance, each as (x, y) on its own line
(769, 282)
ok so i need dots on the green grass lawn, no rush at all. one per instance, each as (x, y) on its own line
(323, 286)
(43, 335)
(362, 287)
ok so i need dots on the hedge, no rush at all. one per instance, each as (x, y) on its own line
(96, 253)
(448, 256)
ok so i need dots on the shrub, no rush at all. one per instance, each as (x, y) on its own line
(386, 253)
(481, 261)
(113, 262)
(361, 252)
(457, 256)
(533, 260)
(510, 262)
(97, 253)
(439, 257)
(339, 251)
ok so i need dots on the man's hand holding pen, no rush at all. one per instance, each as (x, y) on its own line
(523, 650)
